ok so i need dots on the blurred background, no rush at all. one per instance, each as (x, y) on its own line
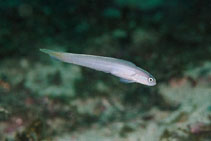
(43, 99)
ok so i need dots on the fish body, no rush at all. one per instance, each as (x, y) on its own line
(125, 70)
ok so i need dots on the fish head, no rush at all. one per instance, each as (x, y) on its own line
(145, 78)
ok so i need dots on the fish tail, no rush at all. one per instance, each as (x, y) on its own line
(53, 54)
(48, 51)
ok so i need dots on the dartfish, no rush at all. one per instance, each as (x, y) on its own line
(125, 70)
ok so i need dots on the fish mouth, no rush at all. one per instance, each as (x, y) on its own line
(152, 84)
(148, 84)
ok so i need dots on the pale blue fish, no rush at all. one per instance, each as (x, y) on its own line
(125, 70)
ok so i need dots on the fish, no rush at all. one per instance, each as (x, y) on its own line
(127, 71)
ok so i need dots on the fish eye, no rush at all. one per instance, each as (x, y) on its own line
(150, 79)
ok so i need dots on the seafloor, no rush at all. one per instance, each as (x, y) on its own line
(42, 99)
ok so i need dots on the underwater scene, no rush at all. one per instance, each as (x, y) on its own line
(105, 70)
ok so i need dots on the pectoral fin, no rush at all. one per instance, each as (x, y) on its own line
(126, 80)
